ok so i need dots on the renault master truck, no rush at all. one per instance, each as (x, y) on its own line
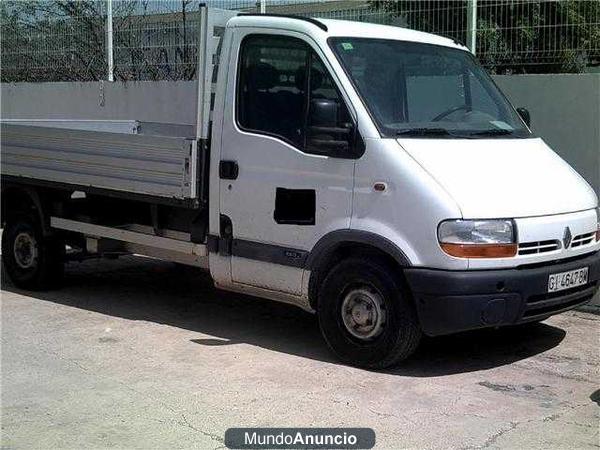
(373, 175)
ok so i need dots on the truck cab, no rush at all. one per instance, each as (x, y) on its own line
(378, 177)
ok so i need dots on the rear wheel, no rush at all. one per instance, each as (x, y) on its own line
(31, 261)
(365, 314)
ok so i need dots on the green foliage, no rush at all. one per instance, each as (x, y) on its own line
(520, 36)
(65, 40)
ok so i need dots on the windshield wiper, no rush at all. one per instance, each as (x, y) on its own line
(492, 132)
(462, 135)
(424, 132)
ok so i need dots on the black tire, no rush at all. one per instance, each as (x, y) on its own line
(400, 333)
(46, 269)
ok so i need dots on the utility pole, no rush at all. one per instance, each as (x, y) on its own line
(109, 41)
(263, 6)
(472, 25)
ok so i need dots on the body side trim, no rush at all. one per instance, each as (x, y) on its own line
(259, 251)
(309, 260)
(269, 253)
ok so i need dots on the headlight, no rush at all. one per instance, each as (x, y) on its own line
(478, 238)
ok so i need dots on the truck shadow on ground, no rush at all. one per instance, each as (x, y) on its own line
(138, 288)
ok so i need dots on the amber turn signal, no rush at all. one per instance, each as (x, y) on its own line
(480, 250)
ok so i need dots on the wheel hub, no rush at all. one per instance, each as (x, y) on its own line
(25, 251)
(363, 313)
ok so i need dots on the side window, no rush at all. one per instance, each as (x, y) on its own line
(322, 85)
(329, 128)
(270, 94)
(285, 90)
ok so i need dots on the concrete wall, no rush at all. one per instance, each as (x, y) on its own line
(565, 111)
(161, 101)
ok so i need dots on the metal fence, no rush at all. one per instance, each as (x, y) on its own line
(66, 40)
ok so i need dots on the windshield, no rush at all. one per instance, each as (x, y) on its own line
(413, 89)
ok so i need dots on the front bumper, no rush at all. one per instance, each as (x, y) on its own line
(452, 301)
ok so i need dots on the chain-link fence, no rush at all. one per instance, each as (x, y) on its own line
(66, 40)
(539, 36)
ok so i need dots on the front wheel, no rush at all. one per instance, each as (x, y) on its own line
(32, 261)
(365, 314)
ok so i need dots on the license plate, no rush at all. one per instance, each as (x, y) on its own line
(566, 280)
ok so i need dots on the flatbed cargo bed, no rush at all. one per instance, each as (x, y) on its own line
(146, 164)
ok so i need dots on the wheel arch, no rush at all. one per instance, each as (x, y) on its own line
(341, 244)
(21, 199)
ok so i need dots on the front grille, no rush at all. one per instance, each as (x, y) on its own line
(532, 248)
(536, 247)
(583, 239)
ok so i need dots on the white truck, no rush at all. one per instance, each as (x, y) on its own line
(373, 175)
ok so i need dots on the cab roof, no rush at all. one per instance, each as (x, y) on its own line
(325, 28)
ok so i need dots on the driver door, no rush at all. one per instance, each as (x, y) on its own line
(289, 186)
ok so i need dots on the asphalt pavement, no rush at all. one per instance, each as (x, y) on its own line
(139, 353)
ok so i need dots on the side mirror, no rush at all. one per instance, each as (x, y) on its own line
(326, 133)
(524, 113)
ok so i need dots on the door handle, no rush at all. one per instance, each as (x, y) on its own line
(228, 170)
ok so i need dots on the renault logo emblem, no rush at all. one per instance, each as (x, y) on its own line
(567, 237)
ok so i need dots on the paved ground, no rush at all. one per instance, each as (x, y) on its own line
(137, 353)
